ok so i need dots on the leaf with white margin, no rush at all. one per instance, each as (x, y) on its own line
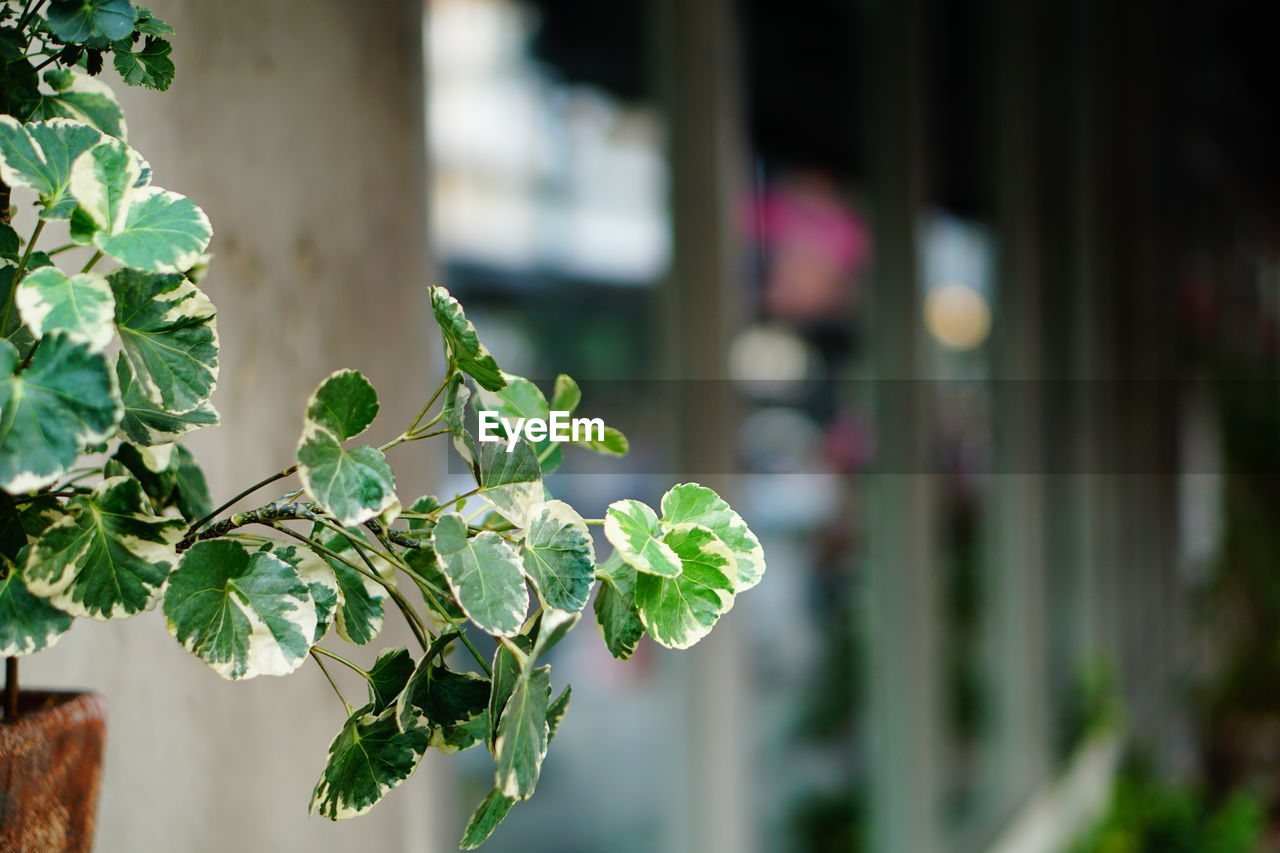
(523, 734)
(680, 611)
(169, 334)
(510, 658)
(559, 556)
(484, 574)
(566, 395)
(360, 598)
(81, 305)
(368, 758)
(145, 423)
(553, 625)
(511, 482)
(615, 608)
(142, 227)
(388, 677)
(41, 156)
(696, 504)
(450, 704)
(632, 528)
(611, 442)
(84, 99)
(485, 820)
(244, 613)
(522, 399)
(345, 403)
(470, 356)
(354, 485)
(108, 557)
(556, 711)
(27, 624)
(61, 403)
(320, 579)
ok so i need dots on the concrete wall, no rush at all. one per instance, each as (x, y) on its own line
(296, 124)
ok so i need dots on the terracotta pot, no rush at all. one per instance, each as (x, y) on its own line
(50, 763)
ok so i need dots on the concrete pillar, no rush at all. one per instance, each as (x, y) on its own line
(297, 125)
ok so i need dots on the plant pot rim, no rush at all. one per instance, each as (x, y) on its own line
(37, 707)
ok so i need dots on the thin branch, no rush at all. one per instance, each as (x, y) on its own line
(332, 683)
(340, 659)
(280, 475)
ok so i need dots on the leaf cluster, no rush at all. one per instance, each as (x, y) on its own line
(104, 514)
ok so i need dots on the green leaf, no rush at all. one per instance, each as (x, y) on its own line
(42, 156)
(522, 399)
(615, 608)
(10, 243)
(141, 226)
(344, 404)
(559, 556)
(108, 557)
(388, 677)
(556, 712)
(245, 613)
(28, 624)
(694, 504)
(149, 25)
(567, 395)
(146, 423)
(316, 573)
(509, 660)
(79, 21)
(455, 407)
(80, 305)
(485, 820)
(470, 356)
(150, 67)
(354, 485)
(81, 98)
(449, 704)
(360, 607)
(679, 611)
(611, 443)
(191, 491)
(62, 403)
(21, 524)
(553, 625)
(427, 565)
(523, 734)
(368, 758)
(484, 575)
(632, 528)
(168, 332)
(511, 482)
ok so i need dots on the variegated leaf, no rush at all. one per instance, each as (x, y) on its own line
(470, 356)
(632, 528)
(141, 226)
(80, 305)
(566, 395)
(168, 331)
(63, 402)
(556, 712)
(559, 556)
(484, 575)
(354, 485)
(510, 658)
(360, 598)
(452, 705)
(523, 734)
(615, 608)
(81, 98)
(42, 155)
(368, 758)
(108, 557)
(320, 579)
(145, 423)
(679, 611)
(28, 624)
(388, 677)
(695, 504)
(485, 820)
(522, 399)
(245, 613)
(511, 482)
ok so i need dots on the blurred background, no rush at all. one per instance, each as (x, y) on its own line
(970, 307)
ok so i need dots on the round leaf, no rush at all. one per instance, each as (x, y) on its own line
(484, 574)
(344, 404)
(679, 611)
(42, 155)
(369, 757)
(559, 556)
(632, 528)
(694, 504)
(80, 305)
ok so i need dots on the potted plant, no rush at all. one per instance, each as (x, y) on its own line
(103, 514)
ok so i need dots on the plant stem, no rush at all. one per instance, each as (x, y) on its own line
(259, 485)
(20, 271)
(11, 689)
(448, 374)
(593, 521)
(97, 256)
(416, 624)
(461, 497)
(332, 683)
(340, 659)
